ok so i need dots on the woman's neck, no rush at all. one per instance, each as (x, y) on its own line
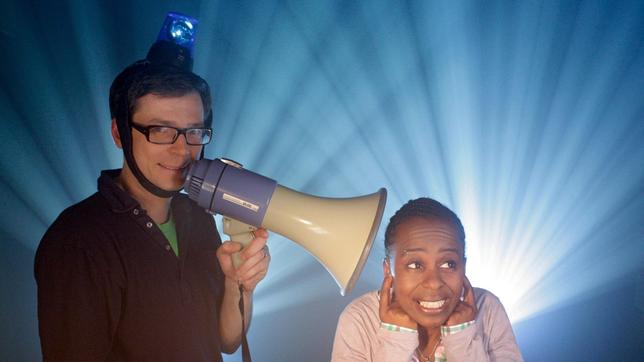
(428, 340)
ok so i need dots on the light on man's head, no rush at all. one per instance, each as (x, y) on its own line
(175, 42)
(179, 29)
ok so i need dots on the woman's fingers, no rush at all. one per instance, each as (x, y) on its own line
(469, 296)
(385, 290)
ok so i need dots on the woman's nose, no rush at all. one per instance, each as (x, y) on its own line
(432, 279)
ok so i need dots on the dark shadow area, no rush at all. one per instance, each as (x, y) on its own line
(19, 329)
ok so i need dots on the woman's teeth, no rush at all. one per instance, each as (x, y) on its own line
(431, 305)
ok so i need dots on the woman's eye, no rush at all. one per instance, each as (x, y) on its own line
(448, 265)
(414, 265)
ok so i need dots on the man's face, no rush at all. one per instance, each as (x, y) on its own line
(429, 270)
(165, 165)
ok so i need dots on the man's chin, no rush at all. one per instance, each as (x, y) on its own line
(176, 184)
(176, 189)
(171, 187)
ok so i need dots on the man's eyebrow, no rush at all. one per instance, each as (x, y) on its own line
(165, 122)
(161, 122)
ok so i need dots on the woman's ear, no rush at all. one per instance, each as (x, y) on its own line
(115, 134)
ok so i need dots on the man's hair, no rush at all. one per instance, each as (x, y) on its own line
(424, 207)
(143, 78)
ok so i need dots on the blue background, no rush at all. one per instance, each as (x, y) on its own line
(525, 117)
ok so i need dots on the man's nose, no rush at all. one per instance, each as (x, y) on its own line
(181, 145)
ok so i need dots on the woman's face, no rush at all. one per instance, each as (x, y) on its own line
(429, 270)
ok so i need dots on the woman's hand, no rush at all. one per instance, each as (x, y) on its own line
(390, 310)
(465, 310)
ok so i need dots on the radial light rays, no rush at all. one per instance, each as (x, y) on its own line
(498, 112)
(526, 118)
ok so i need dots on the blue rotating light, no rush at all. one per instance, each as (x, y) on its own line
(182, 32)
(175, 42)
(179, 29)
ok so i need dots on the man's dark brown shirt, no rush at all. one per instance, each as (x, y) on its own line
(111, 288)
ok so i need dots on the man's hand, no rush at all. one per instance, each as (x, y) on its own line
(390, 311)
(465, 310)
(255, 259)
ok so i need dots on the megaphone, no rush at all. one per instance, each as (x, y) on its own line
(338, 232)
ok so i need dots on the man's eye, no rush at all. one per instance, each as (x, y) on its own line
(161, 130)
(414, 265)
(448, 265)
(197, 132)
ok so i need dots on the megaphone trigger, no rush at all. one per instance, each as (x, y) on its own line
(238, 232)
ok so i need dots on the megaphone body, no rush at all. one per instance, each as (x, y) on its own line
(339, 232)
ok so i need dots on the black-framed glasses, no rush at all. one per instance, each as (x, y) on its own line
(165, 135)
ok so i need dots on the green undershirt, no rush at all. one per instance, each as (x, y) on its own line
(170, 232)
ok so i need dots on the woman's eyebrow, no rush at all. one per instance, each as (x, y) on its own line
(455, 250)
(412, 250)
(422, 250)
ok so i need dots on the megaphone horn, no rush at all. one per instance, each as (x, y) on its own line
(339, 232)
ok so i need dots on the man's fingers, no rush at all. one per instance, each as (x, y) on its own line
(255, 264)
(225, 256)
(254, 254)
(256, 245)
(229, 247)
(254, 276)
(261, 233)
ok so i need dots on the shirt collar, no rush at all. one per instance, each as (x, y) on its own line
(120, 201)
(117, 198)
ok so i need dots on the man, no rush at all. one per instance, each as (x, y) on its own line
(137, 271)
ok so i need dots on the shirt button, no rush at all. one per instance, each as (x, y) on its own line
(167, 247)
(136, 211)
(149, 224)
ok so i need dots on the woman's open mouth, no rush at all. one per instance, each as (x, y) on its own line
(431, 306)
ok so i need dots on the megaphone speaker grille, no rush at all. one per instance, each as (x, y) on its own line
(194, 187)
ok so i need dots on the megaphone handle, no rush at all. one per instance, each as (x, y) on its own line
(242, 233)
(239, 232)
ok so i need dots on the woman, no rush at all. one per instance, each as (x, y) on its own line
(426, 310)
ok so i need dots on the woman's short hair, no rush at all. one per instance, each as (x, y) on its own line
(423, 207)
